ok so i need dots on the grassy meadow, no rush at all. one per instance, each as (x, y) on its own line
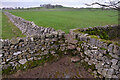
(0, 24)
(69, 19)
(9, 30)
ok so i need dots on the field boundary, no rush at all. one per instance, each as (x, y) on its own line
(99, 56)
(28, 28)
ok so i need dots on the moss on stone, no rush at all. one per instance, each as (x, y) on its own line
(33, 63)
(116, 43)
(108, 55)
(76, 31)
(102, 33)
(109, 42)
(103, 48)
(94, 36)
(60, 53)
(92, 67)
(8, 70)
(79, 44)
(70, 52)
(85, 64)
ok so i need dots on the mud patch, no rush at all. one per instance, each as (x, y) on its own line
(63, 68)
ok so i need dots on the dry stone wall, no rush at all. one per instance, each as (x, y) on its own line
(108, 32)
(27, 27)
(100, 56)
(17, 52)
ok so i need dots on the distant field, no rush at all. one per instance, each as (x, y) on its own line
(69, 19)
(9, 30)
(0, 23)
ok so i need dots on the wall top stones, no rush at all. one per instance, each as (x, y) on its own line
(84, 34)
(108, 32)
(27, 27)
(102, 56)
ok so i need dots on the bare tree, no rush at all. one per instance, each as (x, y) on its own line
(113, 4)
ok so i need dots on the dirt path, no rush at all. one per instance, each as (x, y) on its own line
(63, 68)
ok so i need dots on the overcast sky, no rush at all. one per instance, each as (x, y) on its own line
(36, 3)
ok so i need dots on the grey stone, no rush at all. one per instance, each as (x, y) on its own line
(67, 76)
(94, 48)
(87, 52)
(54, 32)
(12, 63)
(104, 71)
(108, 76)
(114, 76)
(75, 59)
(35, 58)
(46, 52)
(2, 63)
(8, 59)
(108, 62)
(110, 48)
(99, 58)
(117, 71)
(39, 58)
(114, 61)
(99, 70)
(100, 54)
(99, 65)
(0, 55)
(94, 51)
(31, 38)
(115, 67)
(78, 49)
(16, 53)
(22, 61)
(74, 42)
(90, 62)
(116, 49)
(43, 49)
(71, 47)
(118, 75)
(105, 45)
(110, 71)
(92, 41)
(114, 55)
(62, 48)
(102, 51)
(5, 66)
(86, 59)
(95, 61)
(106, 66)
(118, 64)
(30, 59)
(95, 72)
(53, 52)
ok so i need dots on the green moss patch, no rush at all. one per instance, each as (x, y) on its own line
(102, 33)
(108, 55)
(33, 63)
(86, 66)
(9, 70)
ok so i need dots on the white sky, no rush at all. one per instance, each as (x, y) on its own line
(36, 3)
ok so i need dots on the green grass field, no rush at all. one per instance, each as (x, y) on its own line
(9, 30)
(69, 19)
(0, 24)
